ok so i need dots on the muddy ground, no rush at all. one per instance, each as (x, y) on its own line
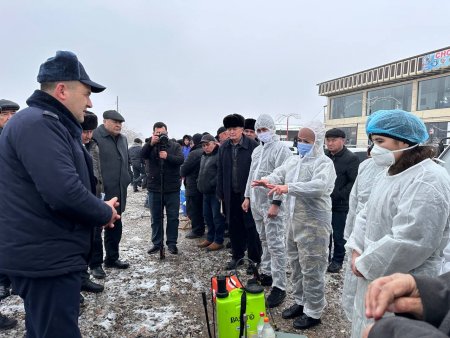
(156, 298)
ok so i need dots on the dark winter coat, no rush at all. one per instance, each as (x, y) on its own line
(190, 169)
(225, 165)
(172, 179)
(46, 192)
(346, 165)
(207, 177)
(115, 165)
(135, 155)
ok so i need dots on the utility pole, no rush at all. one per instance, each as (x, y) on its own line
(117, 103)
(287, 116)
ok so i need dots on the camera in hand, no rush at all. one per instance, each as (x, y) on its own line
(163, 141)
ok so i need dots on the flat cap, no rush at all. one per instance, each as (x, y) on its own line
(335, 132)
(249, 124)
(90, 121)
(221, 130)
(7, 105)
(196, 138)
(233, 120)
(113, 115)
(64, 66)
(207, 138)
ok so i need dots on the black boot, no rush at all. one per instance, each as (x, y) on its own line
(89, 286)
(305, 322)
(276, 297)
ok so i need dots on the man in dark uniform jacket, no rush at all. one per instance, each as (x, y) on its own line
(346, 165)
(7, 110)
(235, 157)
(117, 175)
(47, 194)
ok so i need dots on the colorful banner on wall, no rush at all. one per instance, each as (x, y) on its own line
(436, 60)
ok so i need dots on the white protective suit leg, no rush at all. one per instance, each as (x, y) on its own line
(272, 235)
(349, 289)
(307, 247)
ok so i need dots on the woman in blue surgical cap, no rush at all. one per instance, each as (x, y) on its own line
(404, 225)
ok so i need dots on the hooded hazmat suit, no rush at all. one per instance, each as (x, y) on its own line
(310, 180)
(265, 158)
(367, 175)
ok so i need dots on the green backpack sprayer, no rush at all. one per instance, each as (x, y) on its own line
(236, 307)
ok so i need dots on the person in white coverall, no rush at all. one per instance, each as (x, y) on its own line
(404, 225)
(269, 212)
(367, 176)
(308, 181)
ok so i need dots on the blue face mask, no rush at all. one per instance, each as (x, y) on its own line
(304, 148)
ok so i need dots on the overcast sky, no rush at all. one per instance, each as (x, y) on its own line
(190, 63)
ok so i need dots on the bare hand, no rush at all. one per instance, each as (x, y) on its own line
(260, 183)
(113, 203)
(154, 140)
(163, 154)
(273, 211)
(367, 331)
(395, 293)
(355, 254)
(246, 204)
(278, 189)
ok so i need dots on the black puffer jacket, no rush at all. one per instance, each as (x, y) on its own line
(207, 177)
(172, 180)
(346, 165)
(190, 169)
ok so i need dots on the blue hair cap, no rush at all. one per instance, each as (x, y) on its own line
(398, 124)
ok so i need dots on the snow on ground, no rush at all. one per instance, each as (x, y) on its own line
(162, 299)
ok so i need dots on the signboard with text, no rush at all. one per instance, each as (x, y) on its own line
(436, 60)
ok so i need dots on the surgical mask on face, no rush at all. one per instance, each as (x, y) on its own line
(304, 148)
(384, 157)
(265, 136)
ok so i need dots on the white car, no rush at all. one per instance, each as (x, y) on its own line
(290, 145)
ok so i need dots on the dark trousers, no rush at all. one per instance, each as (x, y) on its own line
(97, 249)
(112, 240)
(138, 175)
(213, 218)
(337, 237)
(243, 233)
(172, 206)
(51, 305)
(194, 209)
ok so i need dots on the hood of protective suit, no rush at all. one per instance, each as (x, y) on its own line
(318, 129)
(266, 121)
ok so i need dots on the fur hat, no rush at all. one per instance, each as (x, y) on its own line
(233, 120)
(90, 121)
(249, 124)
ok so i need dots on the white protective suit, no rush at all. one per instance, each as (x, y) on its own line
(367, 176)
(403, 227)
(310, 180)
(265, 158)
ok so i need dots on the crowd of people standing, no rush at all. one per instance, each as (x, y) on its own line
(388, 215)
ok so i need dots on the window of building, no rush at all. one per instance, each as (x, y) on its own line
(413, 65)
(386, 72)
(436, 132)
(434, 93)
(399, 69)
(346, 106)
(405, 68)
(392, 71)
(369, 76)
(398, 97)
(350, 135)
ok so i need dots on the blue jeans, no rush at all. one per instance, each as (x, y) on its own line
(172, 205)
(213, 218)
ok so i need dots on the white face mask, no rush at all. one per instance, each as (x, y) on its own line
(265, 136)
(384, 157)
